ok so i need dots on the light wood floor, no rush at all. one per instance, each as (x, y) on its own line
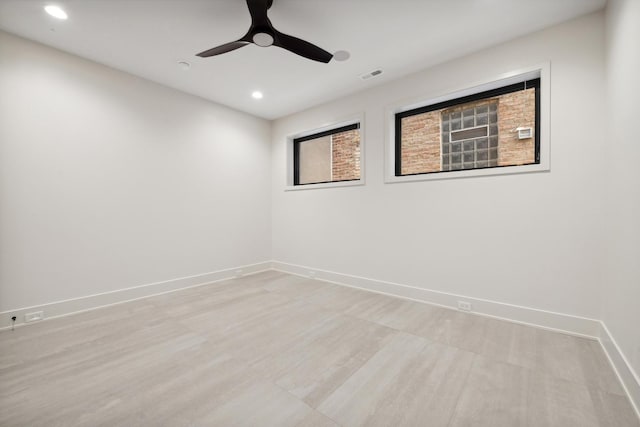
(279, 350)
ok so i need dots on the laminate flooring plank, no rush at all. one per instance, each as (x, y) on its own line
(274, 332)
(314, 366)
(203, 299)
(316, 419)
(575, 359)
(339, 298)
(495, 395)
(500, 394)
(408, 382)
(263, 277)
(395, 313)
(70, 383)
(197, 393)
(47, 338)
(451, 327)
(613, 409)
(295, 286)
(375, 308)
(262, 404)
(222, 317)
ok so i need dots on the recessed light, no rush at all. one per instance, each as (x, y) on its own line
(341, 55)
(184, 65)
(257, 94)
(56, 11)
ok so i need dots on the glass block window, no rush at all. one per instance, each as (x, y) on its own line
(470, 136)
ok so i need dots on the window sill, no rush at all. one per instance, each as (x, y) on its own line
(438, 176)
(324, 185)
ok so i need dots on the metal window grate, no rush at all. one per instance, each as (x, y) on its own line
(478, 132)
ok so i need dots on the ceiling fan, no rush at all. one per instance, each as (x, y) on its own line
(262, 33)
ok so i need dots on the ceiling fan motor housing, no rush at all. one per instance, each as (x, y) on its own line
(263, 38)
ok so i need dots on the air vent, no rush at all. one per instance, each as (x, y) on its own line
(371, 74)
(524, 132)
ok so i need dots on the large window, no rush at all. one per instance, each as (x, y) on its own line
(328, 156)
(494, 128)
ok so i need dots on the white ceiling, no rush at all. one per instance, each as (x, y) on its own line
(148, 37)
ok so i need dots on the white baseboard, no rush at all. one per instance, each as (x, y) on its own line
(628, 377)
(574, 325)
(89, 302)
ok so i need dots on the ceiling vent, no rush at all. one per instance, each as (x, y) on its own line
(371, 74)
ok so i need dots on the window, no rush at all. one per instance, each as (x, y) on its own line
(491, 129)
(328, 156)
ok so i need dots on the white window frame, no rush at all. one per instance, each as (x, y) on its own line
(356, 118)
(542, 71)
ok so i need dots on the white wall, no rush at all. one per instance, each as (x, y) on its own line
(532, 240)
(109, 181)
(622, 281)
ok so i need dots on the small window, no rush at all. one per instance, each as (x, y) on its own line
(494, 128)
(329, 156)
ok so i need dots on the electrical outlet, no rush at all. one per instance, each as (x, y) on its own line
(311, 274)
(238, 273)
(464, 306)
(33, 317)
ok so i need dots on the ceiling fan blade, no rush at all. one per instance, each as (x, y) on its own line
(227, 47)
(301, 47)
(258, 10)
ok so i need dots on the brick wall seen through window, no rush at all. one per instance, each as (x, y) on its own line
(331, 156)
(470, 133)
